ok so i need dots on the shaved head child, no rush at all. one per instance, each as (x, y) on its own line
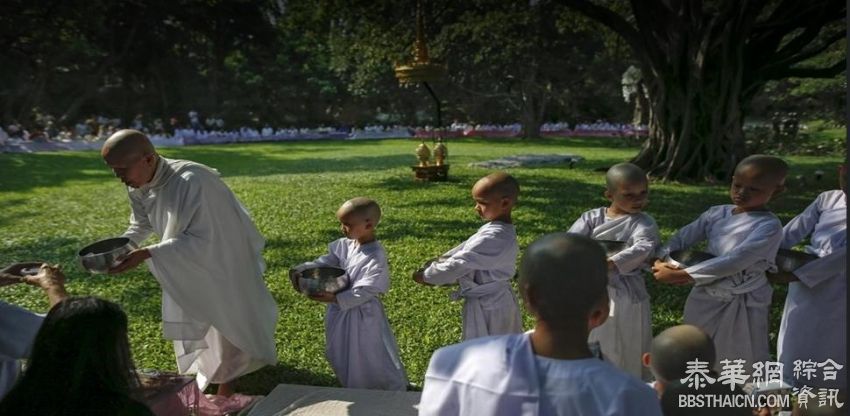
(549, 370)
(731, 295)
(484, 264)
(626, 335)
(359, 343)
(669, 357)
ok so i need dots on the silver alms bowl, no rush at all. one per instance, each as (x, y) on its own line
(99, 257)
(319, 279)
(687, 258)
(790, 260)
(612, 247)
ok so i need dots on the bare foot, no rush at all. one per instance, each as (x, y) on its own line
(226, 389)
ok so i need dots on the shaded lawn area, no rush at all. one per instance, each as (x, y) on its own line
(51, 204)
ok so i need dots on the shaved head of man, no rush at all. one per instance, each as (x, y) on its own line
(131, 156)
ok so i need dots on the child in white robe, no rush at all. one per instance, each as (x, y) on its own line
(626, 335)
(360, 345)
(731, 295)
(484, 264)
(549, 370)
(814, 319)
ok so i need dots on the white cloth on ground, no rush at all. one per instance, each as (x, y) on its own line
(627, 333)
(501, 375)
(483, 266)
(210, 266)
(814, 318)
(18, 328)
(360, 345)
(731, 295)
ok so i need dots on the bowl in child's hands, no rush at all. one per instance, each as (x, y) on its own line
(100, 256)
(612, 247)
(319, 279)
(790, 260)
(687, 258)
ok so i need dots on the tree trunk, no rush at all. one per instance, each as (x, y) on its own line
(534, 100)
(693, 132)
(696, 108)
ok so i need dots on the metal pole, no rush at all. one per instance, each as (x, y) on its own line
(439, 106)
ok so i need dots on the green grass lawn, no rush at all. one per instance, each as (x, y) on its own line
(51, 204)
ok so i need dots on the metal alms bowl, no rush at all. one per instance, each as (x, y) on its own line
(99, 257)
(320, 279)
(790, 260)
(687, 258)
(612, 247)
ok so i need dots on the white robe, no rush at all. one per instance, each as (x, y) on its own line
(815, 314)
(501, 375)
(215, 304)
(483, 266)
(18, 328)
(731, 296)
(360, 345)
(627, 333)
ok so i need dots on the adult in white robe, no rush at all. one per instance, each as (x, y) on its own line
(215, 305)
(359, 343)
(627, 333)
(731, 295)
(501, 375)
(815, 315)
(483, 266)
(18, 328)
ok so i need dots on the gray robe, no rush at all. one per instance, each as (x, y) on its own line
(627, 333)
(359, 343)
(815, 315)
(731, 296)
(483, 266)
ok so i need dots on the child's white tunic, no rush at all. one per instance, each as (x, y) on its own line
(360, 345)
(815, 315)
(483, 266)
(627, 333)
(501, 375)
(731, 295)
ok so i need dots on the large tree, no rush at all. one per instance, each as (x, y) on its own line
(704, 61)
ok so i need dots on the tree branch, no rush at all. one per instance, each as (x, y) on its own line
(813, 51)
(827, 72)
(610, 19)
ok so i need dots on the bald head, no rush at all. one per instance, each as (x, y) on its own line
(361, 207)
(764, 166)
(623, 173)
(499, 185)
(563, 277)
(674, 347)
(125, 145)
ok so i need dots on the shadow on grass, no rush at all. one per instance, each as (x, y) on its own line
(265, 379)
(25, 171)
(6, 217)
(61, 250)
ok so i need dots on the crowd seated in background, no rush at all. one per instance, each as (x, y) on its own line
(49, 134)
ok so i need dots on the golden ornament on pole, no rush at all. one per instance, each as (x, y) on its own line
(422, 70)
